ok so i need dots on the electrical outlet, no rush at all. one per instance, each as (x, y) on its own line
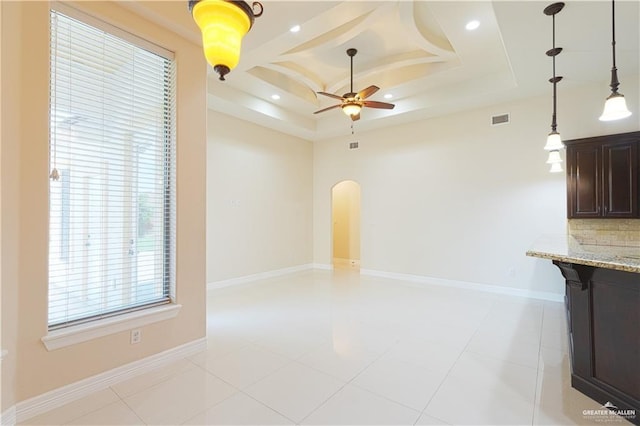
(136, 336)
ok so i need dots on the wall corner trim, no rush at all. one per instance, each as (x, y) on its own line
(323, 266)
(421, 280)
(71, 392)
(8, 416)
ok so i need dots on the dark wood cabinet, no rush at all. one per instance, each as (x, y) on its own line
(602, 176)
(603, 308)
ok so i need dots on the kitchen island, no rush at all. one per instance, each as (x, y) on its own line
(602, 298)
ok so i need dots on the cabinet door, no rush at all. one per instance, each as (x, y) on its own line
(620, 180)
(584, 165)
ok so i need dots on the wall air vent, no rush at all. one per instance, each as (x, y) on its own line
(497, 120)
(353, 145)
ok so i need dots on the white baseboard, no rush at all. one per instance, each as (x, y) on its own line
(8, 417)
(65, 394)
(259, 276)
(420, 279)
(409, 278)
(323, 266)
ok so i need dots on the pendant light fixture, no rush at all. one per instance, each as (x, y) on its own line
(554, 141)
(223, 24)
(556, 168)
(615, 107)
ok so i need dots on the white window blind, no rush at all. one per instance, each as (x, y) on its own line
(112, 143)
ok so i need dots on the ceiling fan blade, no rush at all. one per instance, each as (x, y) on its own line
(355, 117)
(327, 109)
(376, 104)
(331, 95)
(364, 94)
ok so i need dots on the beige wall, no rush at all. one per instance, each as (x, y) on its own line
(346, 220)
(25, 188)
(259, 199)
(9, 194)
(457, 199)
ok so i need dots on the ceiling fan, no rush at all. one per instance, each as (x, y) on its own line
(351, 103)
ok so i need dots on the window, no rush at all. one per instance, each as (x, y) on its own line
(112, 195)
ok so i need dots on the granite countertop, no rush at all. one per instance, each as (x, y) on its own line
(565, 248)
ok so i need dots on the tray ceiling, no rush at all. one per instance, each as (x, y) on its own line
(418, 52)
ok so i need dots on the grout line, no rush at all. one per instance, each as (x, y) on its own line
(535, 392)
(322, 403)
(349, 382)
(457, 359)
(207, 372)
(81, 415)
(270, 408)
(134, 411)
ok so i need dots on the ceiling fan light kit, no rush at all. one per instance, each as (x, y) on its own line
(351, 108)
(223, 24)
(352, 103)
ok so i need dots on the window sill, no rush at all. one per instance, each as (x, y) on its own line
(84, 332)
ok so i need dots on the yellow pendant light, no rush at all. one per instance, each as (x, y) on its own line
(223, 24)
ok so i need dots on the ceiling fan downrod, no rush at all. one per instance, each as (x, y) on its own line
(351, 52)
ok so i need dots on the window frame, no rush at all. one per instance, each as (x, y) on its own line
(117, 321)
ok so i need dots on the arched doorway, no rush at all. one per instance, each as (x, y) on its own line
(345, 213)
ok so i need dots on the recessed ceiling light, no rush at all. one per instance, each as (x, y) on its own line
(275, 97)
(295, 28)
(472, 25)
(388, 96)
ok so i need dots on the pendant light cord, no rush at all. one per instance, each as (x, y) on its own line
(554, 124)
(614, 71)
(552, 10)
(613, 30)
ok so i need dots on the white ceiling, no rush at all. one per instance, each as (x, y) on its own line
(418, 51)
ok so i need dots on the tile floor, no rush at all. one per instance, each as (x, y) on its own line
(337, 348)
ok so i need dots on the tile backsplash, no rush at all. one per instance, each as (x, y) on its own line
(606, 232)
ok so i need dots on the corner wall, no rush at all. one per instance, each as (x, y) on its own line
(39, 370)
(346, 221)
(259, 199)
(10, 47)
(454, 198)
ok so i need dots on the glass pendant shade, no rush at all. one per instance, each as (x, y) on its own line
(223, 25)
(351, 109)
(615, 108)
(554, 142)
(554, 157)
(556, 168)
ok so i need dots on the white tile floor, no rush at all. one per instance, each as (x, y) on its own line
(337, 348)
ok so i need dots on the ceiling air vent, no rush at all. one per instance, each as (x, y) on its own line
(353, 145)
(497, 120)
